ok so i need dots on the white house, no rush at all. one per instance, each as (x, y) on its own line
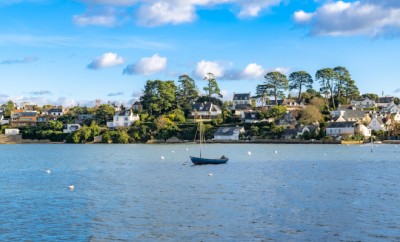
(240, 102)
(340, 128)
(205, 110)
(377, 124)
(396, 117)
(11, 131)
(228, 133)
(123, 119)
(3, 121)
(71, 128)
(363, 130)
(392, 108)
(363, 103)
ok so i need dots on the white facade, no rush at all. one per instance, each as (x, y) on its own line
(123, 119)
(11, 131)
(366, 132)
(392, 108)
(72, 128)
(3, 121)
(228, 133)
(396, 117)
(364, 103)
(376, 124)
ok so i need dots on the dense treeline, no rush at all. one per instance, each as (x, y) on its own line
(167, 105)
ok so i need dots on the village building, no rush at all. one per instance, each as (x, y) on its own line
(205, 110)
(228, 133)
(123, 118)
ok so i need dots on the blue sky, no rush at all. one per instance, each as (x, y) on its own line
(70, 52)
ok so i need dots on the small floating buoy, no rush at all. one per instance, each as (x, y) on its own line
(173, 151)
(187, 148)
(210, 174)
(249, 153)
(162, 157)
(48, 171)
(71, 187)
(276, 152)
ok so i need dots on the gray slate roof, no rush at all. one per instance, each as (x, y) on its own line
(227, 130)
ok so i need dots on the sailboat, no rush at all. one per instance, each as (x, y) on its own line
(206, 161)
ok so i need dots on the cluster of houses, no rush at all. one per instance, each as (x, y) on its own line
(360, 117)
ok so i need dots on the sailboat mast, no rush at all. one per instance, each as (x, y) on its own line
(200, 136)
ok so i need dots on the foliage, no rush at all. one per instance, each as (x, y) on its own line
(327, 78)
(275, 112)
(8, 108)
(212, 86)
(298, 80)
(187, 93)
(310, 115)
(159, 97)
(104, 113)
(276, 83)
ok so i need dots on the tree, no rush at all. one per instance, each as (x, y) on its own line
(327, 77)
(187, 93)
(310, 115)
(212, 86)
(159, 96)
(262, 91)
(8, 108)
(104, 113)
(276, 83)
(298, 80)
(342, 78)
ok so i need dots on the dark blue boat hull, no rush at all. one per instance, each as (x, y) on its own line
(205, 161)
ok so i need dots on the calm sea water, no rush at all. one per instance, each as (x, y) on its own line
(265, 192)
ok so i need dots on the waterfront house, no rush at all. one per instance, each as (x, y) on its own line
(362, 103)
(123, 118)
(228, 133)
(3, 120)
(344, 114)
(377, 123)
(385, 102)
(11, 131)
(250, 117)
(292, 104)
(337, 129)
(240, 103)
(392, 108)
(69, 128)
(23, 118)
(287, 120)
(205, 110)
(340, 128)
(84, 118)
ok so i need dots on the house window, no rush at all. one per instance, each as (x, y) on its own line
(117, 119)
(126, 118)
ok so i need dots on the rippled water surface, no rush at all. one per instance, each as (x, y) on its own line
(265, 192)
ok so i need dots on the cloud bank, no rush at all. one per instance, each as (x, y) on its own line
(25, 60)
(340, 18)
(153, 13)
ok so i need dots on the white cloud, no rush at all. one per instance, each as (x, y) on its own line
(106, 60)
(98, 20)
(252, 8)
(283, 70)
(161, 12)
(342, 18)
(203, 67)
(147, 66)
(253, 71)
(302, 17)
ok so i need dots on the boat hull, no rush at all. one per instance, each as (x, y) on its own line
(205, 161)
